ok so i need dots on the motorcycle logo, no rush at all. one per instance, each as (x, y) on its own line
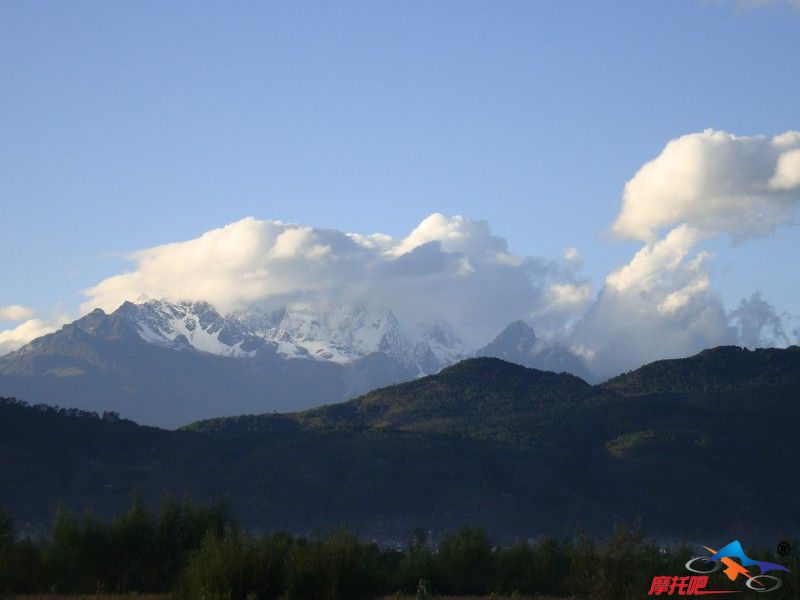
(724, 558)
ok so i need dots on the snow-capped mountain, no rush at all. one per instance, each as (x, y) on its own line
(169, 363)
(339, 332)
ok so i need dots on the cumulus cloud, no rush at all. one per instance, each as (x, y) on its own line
(29, 329)
(716, 182)
(450, 268)
(661, 303)
(654, 262)
(567, 298)
(15, 312)
(11, 339)
(787, 172)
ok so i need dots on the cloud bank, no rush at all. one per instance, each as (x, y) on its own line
(660, 304)
(450, 268)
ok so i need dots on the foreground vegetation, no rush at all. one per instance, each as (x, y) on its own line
(198, 553)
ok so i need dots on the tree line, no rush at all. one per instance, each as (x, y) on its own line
(198, 552)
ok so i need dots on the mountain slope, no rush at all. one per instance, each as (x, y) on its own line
(518, 451)
(481, 398)
(170, 363)
(518, 343)
(714, 370)
(102, 363)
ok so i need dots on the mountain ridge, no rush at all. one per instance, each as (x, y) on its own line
(713, 369)
(167, 363)
(518, 451)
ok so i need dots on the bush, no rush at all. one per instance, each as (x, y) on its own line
(235, 566)
(514, 570)
(337, 567)
(200, 555)
(465, 561)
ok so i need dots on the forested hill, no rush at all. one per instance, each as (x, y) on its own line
(727, 368)
(479, 397)
(515, 450)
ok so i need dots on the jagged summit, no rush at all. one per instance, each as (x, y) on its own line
(328, 331)
(167, 363)
(518, 343)
(516, 340)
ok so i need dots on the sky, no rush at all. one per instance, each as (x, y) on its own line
(128, 126)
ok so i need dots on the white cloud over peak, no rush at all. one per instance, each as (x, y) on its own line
(567, 298)
(450, 268)
(660, 304)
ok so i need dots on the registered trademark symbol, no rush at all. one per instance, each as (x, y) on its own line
(784, 548)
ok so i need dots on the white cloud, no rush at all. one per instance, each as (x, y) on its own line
(624, 330)
(449, 268)
(568, 297)
(11, 339)
(15, 312)
(787, 172)
(661, 303)
(758, 323)
(572, 255)
(654, 261)
(716, 182)
(679, 299)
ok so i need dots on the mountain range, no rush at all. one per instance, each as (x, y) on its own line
(169, 363)
(702, 448)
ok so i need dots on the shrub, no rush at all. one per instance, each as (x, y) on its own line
(337, 567)
(235, 566)
(465, 560)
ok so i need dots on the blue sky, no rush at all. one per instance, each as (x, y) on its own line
(126, 125)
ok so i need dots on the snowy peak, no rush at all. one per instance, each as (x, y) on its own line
(518, 343)
(515, 343)
(187, 325)
(339, 332)
(330, 331)
(334, 331)
(440, 345)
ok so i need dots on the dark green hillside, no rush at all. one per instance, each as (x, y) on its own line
(460, 398)
(726, 368)
(50, 455)
(484, 398)
(518, 451)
